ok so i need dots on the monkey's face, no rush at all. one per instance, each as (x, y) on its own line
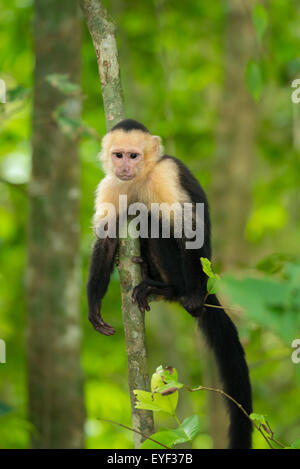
(126, 161)
(127, 155)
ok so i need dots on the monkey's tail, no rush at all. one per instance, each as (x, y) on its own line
(222, 337)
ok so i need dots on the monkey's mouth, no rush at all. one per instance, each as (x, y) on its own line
(125, 177)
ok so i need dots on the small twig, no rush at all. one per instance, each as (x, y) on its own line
(220, 391)
(278, 442)
(223, 307)
(136, 431)
(264, 436)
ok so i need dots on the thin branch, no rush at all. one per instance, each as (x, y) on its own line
(223, 393)
(146, 437)
(223, 307)
(220, 391)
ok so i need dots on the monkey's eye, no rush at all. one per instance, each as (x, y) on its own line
(118, 155)
(133, 155)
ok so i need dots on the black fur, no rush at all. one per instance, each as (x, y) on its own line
(175, 273)
(130, 124)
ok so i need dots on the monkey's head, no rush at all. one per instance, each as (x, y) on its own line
(129, 150)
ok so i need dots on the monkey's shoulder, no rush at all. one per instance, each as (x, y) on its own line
(186, 179)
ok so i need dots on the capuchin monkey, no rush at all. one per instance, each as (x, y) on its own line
(137, 167)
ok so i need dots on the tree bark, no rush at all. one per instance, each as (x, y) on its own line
(103, 30)
(53, 277)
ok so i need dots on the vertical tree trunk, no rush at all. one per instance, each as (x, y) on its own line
(55, 380)
(231, 192)
(235, 141)
(102, 30)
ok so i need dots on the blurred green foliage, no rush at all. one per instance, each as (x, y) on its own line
(172, 62)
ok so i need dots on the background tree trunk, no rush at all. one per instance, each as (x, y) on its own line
(55, 380)
(231, 191)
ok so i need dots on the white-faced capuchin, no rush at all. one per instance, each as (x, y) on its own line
(136, 166)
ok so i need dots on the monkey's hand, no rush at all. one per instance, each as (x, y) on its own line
(99, 325)
(139, 296)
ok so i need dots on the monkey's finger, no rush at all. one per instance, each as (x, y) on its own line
(101, 326)
(134, 295)
(142, 303)
(105, 325)
(105, 329)
(145, 303)
(138, 300)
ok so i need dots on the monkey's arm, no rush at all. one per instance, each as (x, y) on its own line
(101, 266)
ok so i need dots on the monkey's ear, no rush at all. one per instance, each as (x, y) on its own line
(157, 145)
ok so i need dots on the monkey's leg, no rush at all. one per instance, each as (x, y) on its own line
(101, 266)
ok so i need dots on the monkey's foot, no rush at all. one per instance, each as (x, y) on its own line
(139, 296)
(100, 325)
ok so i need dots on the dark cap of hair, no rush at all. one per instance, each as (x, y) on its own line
(130, 124)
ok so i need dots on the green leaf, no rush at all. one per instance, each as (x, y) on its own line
(169, 386)
(207, 268)
(186, 432)
(211, 288)
(267, 302)
(273, 263)
(72, 126)
(296, 444)
(4, 408)
(164, 381)
(18, 93)
(292, 272)
(260, 20)
(63, 83)
(167, 437)
(254, 79)
(191, 426)
(146, 400)
(260, 418)
(69, 126)
(156, 402)
(164, 376)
